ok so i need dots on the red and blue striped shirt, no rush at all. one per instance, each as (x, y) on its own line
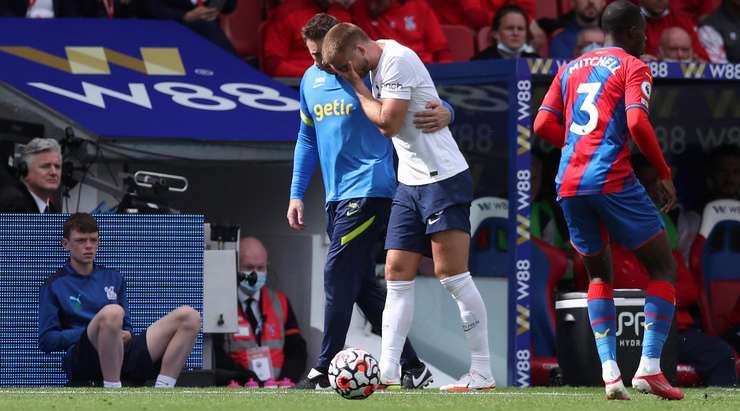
(591, 95)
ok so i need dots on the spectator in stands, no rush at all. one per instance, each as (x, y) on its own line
(659, 17)
(475, 14)
(712, 358)
(509, 32)
(83, 311)
(269, 344)
(682, 225)
(201, 16)
(675, 46)
(723, 173)
(66, 8)
(586, 13)
(40, 170)
(697, 9)
(409, 22)
(720, 33)
(284, 47)
(589, 39)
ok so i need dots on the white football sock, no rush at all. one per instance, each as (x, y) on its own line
(397, 318)
(164, 381)
(610, 371)
(474, 318)
(648, 366)
(111, 384)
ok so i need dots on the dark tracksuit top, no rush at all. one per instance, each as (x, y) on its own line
(68, 302)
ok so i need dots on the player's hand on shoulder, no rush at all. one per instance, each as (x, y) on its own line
(670, 195)
(295, 214)
(434, 118)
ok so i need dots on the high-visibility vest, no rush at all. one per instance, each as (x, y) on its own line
(274, 308)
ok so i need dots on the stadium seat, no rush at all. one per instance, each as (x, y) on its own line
(548, 8)
(460, 40)
(483, 38)
(489, 225)
(241, 26)
(714, 260)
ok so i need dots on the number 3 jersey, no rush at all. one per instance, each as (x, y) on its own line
(591, 95)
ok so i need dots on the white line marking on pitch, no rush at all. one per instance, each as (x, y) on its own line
(278, 392)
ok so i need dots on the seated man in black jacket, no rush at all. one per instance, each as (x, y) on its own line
(40, 170)
(201, 16)
(268, 345)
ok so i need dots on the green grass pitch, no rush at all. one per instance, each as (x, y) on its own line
(205, 399)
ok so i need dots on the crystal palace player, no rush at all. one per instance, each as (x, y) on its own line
(593, 105)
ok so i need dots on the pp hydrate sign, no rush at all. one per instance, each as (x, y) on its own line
(129, 78)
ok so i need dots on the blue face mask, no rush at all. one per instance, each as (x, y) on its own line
(591, 47)
(252, 289)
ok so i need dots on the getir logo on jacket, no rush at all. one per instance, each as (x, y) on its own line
(154, 61)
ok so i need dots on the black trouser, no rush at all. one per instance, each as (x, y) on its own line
(711, 357)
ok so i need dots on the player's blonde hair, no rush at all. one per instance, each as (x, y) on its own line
(341, 39)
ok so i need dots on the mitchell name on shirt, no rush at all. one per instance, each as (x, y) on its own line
(611, 63)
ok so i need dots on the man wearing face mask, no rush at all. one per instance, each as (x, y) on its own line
(675, 45)
(509, 32)
(585, 14)
(588, 40)
(268, 345)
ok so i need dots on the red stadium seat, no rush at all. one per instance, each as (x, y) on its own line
(460, 40)
(260, 44)
(241, 26)
(548, 8)
(714, 257)
(483, 38)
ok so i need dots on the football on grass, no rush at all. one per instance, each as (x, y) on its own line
(354, 373)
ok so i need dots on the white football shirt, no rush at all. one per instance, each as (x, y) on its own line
(423, 158)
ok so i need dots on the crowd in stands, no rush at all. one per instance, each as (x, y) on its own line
(677, 30)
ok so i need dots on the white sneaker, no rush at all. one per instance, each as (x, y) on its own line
(390, 380)
(615, 390)
(470, 382)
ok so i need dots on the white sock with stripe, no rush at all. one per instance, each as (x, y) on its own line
(474, 318)
(397, 318)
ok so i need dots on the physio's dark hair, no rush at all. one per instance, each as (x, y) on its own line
(80, 222)
(620, 16)
(318, 26)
